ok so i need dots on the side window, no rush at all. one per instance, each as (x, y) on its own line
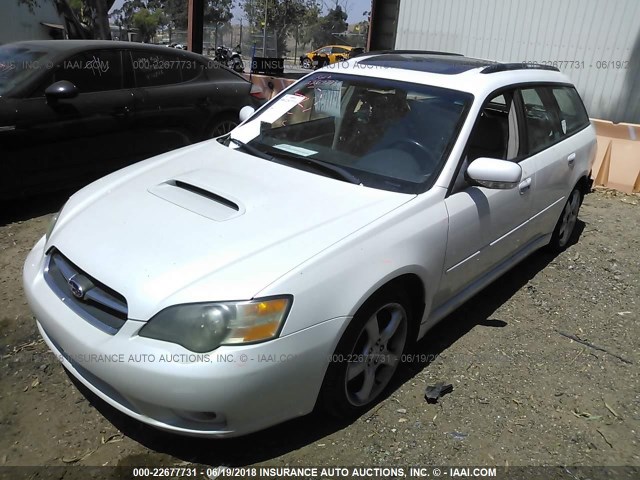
(573, 116)
(541, 121)
(496, 134)
(324, 51)
(153, 70)
(94, 71)
(338, 50)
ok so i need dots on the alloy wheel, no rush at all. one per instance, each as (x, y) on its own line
(376, 354)
(569, 218)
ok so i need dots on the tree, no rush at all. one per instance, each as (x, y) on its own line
(143, 15)
(304, 32)
(218, 12)
(177, 13)
(91, 14)
(332, 23)
(214, 11)
(94, 15)
(283, 16)
(361, 33)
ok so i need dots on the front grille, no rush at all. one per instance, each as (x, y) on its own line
(96, 303)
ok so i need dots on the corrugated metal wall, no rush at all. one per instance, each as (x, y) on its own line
(601, 39)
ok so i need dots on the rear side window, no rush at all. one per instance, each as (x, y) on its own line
(153, 70)
(541, 121)
(573, 116)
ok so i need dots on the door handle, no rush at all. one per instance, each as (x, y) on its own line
(524, 186)
(571, 159)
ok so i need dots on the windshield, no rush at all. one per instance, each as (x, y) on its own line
(389, 134)
(17, 63)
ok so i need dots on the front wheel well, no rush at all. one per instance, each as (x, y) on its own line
(412, 285)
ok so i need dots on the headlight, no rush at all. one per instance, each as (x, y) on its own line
(202, 327)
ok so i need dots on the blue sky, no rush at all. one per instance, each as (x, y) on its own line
(354, 8)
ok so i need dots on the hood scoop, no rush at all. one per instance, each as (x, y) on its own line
(198, 197)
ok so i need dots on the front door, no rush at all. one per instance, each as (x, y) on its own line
(487, 226)
(60, 143)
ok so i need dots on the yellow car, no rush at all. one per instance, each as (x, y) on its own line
(327, 55)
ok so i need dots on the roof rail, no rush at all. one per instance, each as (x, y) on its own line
(410, 52)
(504, 67)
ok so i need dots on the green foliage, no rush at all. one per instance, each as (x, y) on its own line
(283, 17)
(335, 22)
(146, 21)
(217, 11)
(147, 16)
(177, 13)
(305, 30)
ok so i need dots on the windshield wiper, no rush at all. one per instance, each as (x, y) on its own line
(330, 168)
(335, 170)
(251, 149)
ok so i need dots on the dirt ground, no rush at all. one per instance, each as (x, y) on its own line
(523, 394)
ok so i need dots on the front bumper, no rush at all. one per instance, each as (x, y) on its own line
(231, 391)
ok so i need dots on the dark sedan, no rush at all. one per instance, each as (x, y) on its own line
(74, 110)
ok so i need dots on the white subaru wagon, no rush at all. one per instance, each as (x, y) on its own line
(234, 284)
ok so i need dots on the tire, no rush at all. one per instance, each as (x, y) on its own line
(306, 63)
(222, 124)
(565, 229)
(367, 355)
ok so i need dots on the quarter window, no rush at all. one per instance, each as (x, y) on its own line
(573, 116)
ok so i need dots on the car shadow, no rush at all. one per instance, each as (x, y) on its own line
(299, 432)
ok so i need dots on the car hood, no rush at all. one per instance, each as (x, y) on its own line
(208, 223)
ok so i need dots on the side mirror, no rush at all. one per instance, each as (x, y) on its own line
(246, 112)
(61, 89)
(494, 173)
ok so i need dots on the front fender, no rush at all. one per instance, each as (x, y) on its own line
(337, 281)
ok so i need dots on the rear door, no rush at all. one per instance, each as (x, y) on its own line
(177, 99)
(559, 151)
(69, 142)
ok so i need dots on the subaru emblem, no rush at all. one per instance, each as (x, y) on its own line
(76, 288)
(79, 285)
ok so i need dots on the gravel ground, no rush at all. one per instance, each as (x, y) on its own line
(523, 394)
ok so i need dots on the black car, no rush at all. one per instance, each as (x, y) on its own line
(74, 110)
